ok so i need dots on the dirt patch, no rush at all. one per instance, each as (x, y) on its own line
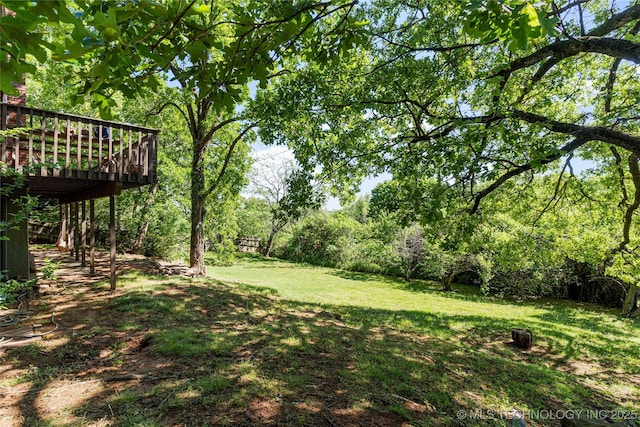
(101, 365)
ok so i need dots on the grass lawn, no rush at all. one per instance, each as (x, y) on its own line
(579, 352)
(265, 342)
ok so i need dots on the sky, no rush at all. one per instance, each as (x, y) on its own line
(262, 154)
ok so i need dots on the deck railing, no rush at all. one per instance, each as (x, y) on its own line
(47, 143)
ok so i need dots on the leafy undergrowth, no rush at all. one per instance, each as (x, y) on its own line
(370, 351)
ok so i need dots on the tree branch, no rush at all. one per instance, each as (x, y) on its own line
(556, 191)
(220, 125)
(558, 11)
(568, 148)
(227, 159)
(623, 187)
(608, 89)
(616, 21)
(560, 50)
(175, 22)
(170, 104)
(634, 169)
(586, 133)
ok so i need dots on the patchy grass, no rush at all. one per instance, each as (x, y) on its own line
(273, 343)
(566, 328)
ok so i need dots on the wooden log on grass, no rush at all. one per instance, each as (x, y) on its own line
(523, 338)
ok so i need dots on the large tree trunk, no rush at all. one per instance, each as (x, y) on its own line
(448, 281)
(143, 227)
(198, 199)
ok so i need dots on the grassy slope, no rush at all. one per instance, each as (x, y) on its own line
(275, 343)
(579, 347)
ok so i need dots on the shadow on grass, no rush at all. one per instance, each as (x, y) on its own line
(195, 352)
(468, 292)
(364, 277)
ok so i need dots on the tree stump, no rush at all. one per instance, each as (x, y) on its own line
(523, 338)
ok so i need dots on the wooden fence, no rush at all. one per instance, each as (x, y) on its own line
(248, 244)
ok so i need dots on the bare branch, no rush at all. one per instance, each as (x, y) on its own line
(170, 104)
(215, 128)
(556, 191)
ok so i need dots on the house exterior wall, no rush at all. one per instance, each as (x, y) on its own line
(14, 252)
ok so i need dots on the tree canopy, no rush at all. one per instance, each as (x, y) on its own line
(476, 96)
(211, 49)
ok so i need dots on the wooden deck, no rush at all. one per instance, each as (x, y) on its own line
(75, 158)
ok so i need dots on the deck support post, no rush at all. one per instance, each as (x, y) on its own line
(62, 236)
(68, 215)
(76, 232)
(112, 240)
(92, 238)
(83, 236)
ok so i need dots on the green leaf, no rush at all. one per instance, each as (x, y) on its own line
(548, 24)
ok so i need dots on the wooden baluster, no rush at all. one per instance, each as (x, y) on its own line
(79, 148)
(141, 171)
(130, 166)
(111, 169)
(56, 170)
(16, 142)
(100, 160)
(153, 154)
(120, 163)
(147, 152)
(67, 157)
(30, 158)
(90, 173)
(16, 155)
(43, 143)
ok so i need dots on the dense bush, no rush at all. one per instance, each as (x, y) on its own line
(527, 283)
(321, 239)
(500, 255)
(339, 240)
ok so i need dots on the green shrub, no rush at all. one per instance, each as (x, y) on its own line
(11, 289)
(529, 283)
(49, 268)
(321, 239)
